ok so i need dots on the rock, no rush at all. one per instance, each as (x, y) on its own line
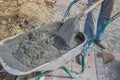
(20, 2)
(107, 57)
(4, 22)
(50, 3)
(17, 30)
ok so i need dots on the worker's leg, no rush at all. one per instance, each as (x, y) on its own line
(105, 14)
(90, 27)
(91, 23)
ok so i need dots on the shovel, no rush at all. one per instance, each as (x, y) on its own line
(65, 36)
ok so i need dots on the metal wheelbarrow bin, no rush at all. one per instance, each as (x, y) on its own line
(6, 56)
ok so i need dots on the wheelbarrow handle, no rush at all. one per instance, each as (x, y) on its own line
(68, 9)
(116, 15)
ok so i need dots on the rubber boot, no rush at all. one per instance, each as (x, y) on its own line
(100, 44)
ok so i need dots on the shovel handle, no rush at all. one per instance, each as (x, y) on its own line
(84, 12)
(93, 6)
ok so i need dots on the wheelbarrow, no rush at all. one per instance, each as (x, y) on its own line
(7, 45)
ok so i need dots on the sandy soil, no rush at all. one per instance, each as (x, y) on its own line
(18, 15)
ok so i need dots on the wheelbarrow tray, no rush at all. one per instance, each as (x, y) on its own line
(51, 65)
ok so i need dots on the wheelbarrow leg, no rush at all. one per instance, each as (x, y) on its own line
(67, 71)
(41, 75)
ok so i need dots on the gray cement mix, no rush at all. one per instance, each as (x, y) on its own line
(35, 48)
(34, 51)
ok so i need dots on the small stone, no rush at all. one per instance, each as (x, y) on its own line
(19, 2)
(50, 2)
(107, 57)
(4, 22)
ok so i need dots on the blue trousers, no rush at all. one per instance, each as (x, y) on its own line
(94, 22)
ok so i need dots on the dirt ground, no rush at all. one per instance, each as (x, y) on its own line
(18, 15)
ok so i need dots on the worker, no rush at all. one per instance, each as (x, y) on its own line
(93, 25)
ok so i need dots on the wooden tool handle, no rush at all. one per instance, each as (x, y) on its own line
(93, 6)
(85, 12)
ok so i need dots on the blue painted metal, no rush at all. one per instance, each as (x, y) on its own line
(41, 75)
(67, 71)
(68, 9)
